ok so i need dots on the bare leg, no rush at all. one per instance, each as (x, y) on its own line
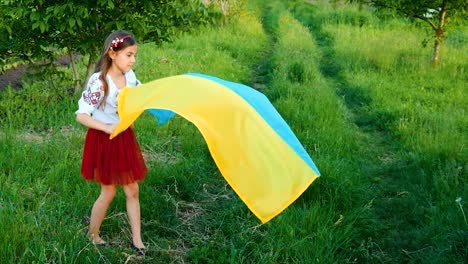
(133, 210)
(98, 213)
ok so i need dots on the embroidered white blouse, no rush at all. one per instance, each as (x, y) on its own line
(90, 101)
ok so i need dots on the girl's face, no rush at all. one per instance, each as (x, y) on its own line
(124, 59)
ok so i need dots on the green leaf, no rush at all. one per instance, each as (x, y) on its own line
(8, 28)
(34, 16)
(42, 27)
(71, 22)
(56, 10)
(78, 21)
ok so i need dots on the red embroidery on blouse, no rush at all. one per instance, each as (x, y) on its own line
(92, 98)
(93, 81)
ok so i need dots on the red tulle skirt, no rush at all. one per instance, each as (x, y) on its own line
(117, 161)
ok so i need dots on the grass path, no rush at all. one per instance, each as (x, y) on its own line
(398, 234)
(261, 72)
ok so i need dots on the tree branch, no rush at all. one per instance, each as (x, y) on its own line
(411, 14)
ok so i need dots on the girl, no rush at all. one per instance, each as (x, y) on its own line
(118, 161)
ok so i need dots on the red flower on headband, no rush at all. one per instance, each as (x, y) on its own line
(117, 41)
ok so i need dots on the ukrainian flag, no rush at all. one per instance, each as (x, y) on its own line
(253, 147)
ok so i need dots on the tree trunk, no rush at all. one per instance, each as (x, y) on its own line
(89, 71)
(439, 32)
(76, 74)
(437, 43)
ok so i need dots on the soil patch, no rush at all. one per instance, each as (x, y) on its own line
(13, 77)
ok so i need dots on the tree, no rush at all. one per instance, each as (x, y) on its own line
(436, 13)
(38, 29)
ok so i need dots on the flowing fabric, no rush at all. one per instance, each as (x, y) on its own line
(254, 148)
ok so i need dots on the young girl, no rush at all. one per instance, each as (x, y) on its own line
(118, 161)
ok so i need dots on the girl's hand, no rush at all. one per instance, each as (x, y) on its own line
(88, 121)
(110, 128)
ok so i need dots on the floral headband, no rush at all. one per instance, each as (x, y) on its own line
(117, 41)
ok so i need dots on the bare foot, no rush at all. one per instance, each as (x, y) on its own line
(97, 240)
(139, 244)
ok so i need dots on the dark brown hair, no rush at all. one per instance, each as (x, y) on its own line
(105, 62)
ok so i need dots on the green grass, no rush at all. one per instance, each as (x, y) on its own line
(414, 115)
(386, 130)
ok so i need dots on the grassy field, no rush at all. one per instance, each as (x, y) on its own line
(387, 131)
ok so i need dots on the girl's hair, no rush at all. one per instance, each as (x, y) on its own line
(117, 40)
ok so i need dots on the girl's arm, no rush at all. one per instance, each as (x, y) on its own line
(88, 121)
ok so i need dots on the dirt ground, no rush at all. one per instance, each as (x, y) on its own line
(12, 77)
